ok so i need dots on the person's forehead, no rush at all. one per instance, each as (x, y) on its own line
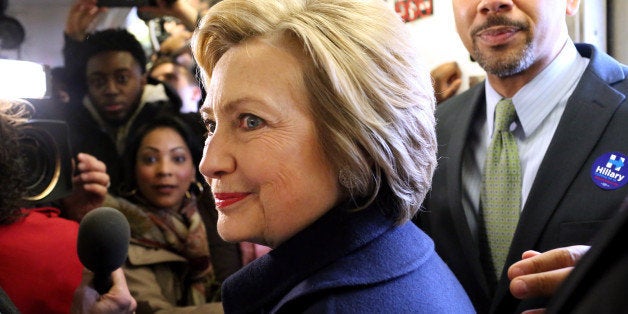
(110, 61)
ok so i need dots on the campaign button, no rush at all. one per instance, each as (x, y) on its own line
(610, 171)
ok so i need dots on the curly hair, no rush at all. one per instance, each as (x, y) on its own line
(12, 178)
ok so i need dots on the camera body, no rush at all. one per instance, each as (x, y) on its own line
(131, 3)
(43, 148)
(47, 158)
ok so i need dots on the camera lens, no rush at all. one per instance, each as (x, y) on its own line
(47, 160)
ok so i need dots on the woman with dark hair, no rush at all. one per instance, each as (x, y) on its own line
(39, 265)
(176, 259)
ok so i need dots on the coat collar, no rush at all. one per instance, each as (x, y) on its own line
(313, 259)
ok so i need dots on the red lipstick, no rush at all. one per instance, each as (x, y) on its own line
(226, 199)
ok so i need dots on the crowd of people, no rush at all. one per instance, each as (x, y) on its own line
(299, 156)
(107, 97)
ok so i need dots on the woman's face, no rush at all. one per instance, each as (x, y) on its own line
(164, 168)
(263, 158)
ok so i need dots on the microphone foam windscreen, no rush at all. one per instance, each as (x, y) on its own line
(103, 240)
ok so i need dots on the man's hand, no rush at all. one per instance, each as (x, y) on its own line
(90, 187)
(447, 78)
(81, 15)
(180, 9)
(540, 274)
(117, 300)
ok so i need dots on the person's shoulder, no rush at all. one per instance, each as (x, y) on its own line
(45, 213)
(604, 66)
(472, 94)
(135, 214)
(43, 221)
(142, 253)
(51, 217)
(406, 292)
(464, 104)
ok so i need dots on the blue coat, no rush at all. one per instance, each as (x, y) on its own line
(348, 263)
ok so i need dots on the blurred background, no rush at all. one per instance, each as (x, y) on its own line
(600, 22)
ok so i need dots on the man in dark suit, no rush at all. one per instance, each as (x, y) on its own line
(598, 283)
(570, 133)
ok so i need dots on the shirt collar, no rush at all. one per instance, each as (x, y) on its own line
(535, 100)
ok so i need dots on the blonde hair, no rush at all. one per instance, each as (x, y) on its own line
(371, 96)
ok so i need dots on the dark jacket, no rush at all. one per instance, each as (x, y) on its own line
(348, 263)
(599, 282)
(564, 207)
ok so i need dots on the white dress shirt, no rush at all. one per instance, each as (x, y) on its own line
(539, 105)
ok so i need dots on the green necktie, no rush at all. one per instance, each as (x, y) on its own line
(501, 186)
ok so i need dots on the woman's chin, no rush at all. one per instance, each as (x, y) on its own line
(234, 236)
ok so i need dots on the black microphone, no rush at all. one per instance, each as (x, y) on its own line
(103, 243)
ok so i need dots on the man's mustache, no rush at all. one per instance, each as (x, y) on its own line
(499, 20)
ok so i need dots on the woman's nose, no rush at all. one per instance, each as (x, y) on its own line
(164, 168)
(218, 158)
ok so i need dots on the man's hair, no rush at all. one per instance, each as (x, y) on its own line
(115, 40)
(12, 179)
(371, 96)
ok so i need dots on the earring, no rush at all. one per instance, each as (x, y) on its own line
(196, 188)
(346, 178)
(198, 185)
(129, 193)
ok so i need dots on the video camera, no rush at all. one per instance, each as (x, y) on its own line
(44, 145)
(46, 155)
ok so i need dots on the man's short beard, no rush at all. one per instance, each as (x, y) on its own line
(508, 64)
(503, 64)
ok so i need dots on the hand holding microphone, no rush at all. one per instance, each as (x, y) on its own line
(103, 243)
(117, 300)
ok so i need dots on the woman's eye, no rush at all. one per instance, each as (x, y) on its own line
(251, 122)
(210, 125)
(179, 159)
(147, 160)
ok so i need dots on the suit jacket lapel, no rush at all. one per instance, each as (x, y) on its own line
(461, 129)
(588, 111)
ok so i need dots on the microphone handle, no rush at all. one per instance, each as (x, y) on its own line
(102, 282)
